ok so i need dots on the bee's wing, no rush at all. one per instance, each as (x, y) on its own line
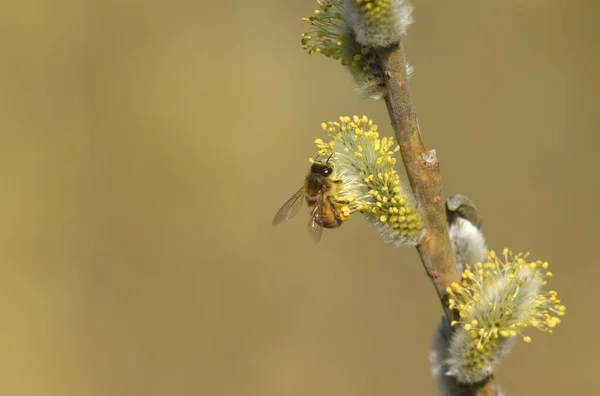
(315, 228)
(290, 208)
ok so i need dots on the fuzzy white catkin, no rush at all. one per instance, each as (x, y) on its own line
(439, 357)
(379, 29)
(331, 35)
(364, 165)
(496, 301)
(468, 243)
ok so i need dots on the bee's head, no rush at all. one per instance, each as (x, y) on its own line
(321, 169)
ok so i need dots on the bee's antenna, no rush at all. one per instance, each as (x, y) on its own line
(317, 157)
(328, 158)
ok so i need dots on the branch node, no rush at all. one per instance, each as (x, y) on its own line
(428, 159)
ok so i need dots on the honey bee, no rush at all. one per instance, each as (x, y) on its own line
(320, 193)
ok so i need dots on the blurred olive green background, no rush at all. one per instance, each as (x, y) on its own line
(145, 146)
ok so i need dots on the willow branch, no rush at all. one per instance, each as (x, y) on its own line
(423, 172)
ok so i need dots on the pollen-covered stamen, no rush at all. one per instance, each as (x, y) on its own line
(364, 164)
(327, 33)
(496, 300)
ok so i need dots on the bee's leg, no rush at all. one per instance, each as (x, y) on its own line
(343, 201)
(337, 181)
(334, 202)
